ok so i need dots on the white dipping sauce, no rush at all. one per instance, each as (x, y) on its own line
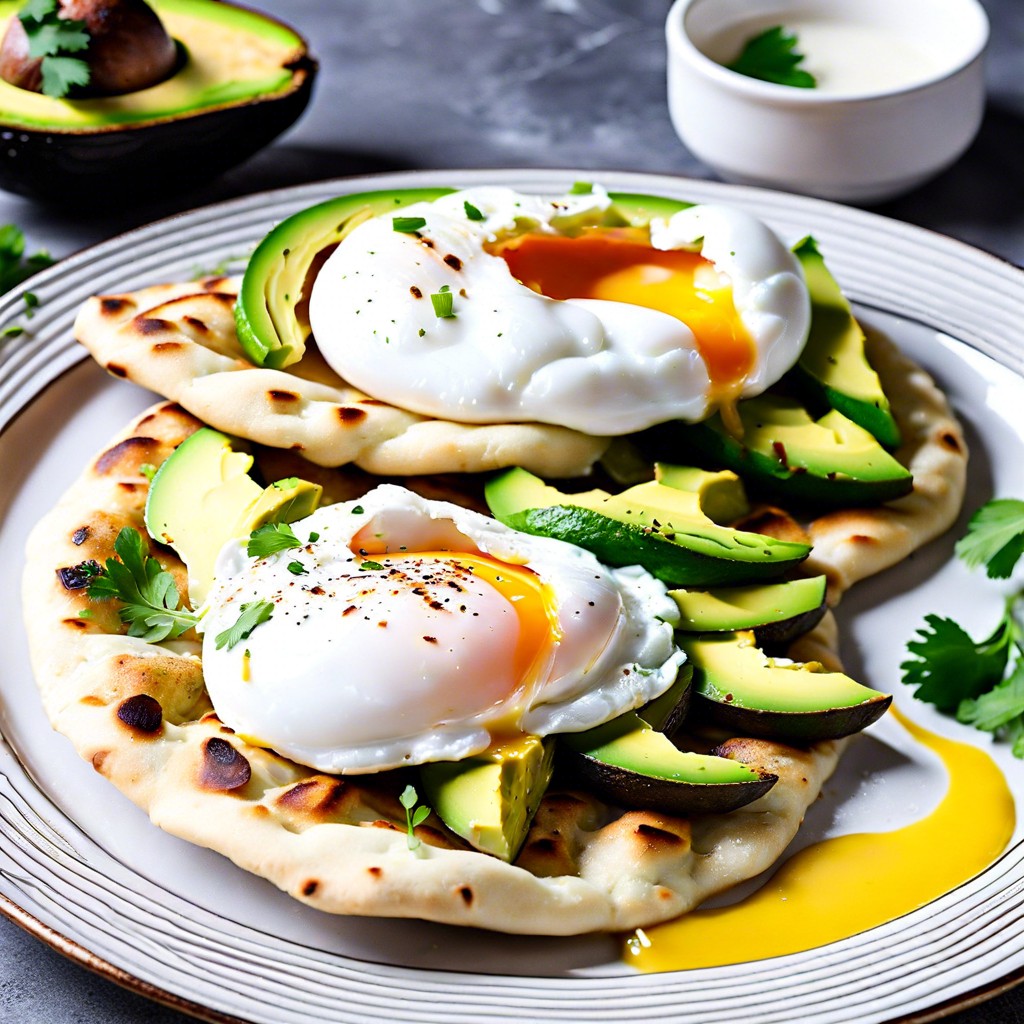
(844, 57)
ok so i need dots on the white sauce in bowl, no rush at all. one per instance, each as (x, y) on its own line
(844, 56)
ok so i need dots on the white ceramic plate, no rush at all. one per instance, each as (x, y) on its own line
(83, 868)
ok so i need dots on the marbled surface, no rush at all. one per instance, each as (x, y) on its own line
(499, 83)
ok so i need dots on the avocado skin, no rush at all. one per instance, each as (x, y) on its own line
(626, 788)
(619, 544)
(109, 169)
(722, 695)
(799, 727)
(775, 635)
(609, 760)
(777, 612)
(835, 352)
(688, 549)
(111, 166)
(779, 471)
(273, 336)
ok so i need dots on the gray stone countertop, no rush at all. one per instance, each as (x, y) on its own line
(499, 83)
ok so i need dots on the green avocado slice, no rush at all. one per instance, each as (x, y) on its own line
(661, 528)
(721, 494)
(630, 761)
(737, 686)
(490, 799)
(834, 364)
(202, 497)
(829, 461)
(777, 612)
(634, 209)
(272, 309)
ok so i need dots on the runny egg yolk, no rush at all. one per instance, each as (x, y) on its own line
(433, 572)
(619, 264)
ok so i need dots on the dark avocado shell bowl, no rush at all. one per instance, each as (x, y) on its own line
(241, 80)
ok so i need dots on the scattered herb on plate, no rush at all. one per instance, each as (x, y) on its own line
(151, 602)
(771, 56)
(15, 266)
(413, 815)
(981, 682)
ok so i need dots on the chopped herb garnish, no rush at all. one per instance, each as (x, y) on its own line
(53, 38)
(982, 682)
(771, 56)
(473, 212)
(413, 815)
(443, 303)
(152, 605)
(358, 510)
(148, 470)
(408, 225)
(314, 537)
(252, 614)
(31, 301)
(12, 332)
(286, 484)
(270, 538)
(15, 266)
(581, 188)
(370, 566)
(422, 332)
(297, 568)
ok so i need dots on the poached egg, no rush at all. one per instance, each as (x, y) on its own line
(489, 305)
(405, 630)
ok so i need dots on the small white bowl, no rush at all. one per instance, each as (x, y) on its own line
(862, 142)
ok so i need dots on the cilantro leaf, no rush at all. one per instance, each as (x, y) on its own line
(55, 36)
(37, 10)
(252, 614)
(949, 667)
(52, 38)
(151, 602)
(14, 265)
(771, 56)
(999, 707)
(995, 537)
(61, 73)
(270, 538)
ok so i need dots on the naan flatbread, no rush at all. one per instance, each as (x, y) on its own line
(180, 341)
(139, 712)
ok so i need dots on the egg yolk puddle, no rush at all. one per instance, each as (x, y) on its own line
(846, 885)
(532, 599)
(619, 264)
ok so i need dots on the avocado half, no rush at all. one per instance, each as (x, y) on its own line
(243, 78)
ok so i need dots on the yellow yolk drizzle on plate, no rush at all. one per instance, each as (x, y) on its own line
(846, 885)
(619, 265)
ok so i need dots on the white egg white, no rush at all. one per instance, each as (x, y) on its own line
(509, 354)
(363, 666)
